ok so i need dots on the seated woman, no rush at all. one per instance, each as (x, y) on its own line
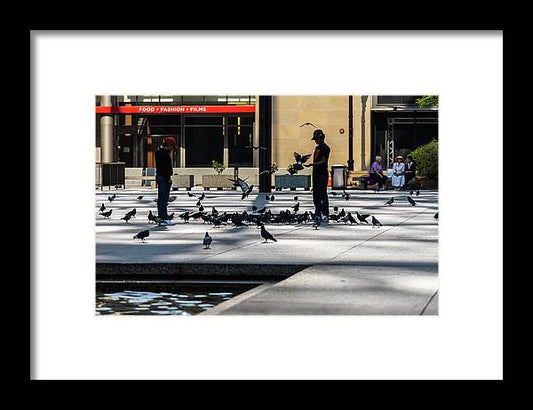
(376, 174)
(398, 173)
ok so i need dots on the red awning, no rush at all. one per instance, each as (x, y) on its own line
(176, 109)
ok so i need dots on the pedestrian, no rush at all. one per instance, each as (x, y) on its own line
(398, 173)
(163, 164)
(410, 170)
(320, 175)
(375, 176)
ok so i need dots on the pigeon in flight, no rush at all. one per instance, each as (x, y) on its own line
(140, 197)
(107, 214)
(308, 123)
(390, 201)
(411, 201)
(375, 222)
(207, 241)
(141, 235)
(266, 235)
(102, 208)
(256, 148)
(300, 160)
(247, 192)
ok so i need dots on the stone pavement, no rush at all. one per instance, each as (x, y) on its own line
(352, 269)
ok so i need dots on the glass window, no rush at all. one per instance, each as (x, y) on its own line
(203, 145)
(397, 99)
(240, 141)
(241, 120)
(204, 120)
(193, 99)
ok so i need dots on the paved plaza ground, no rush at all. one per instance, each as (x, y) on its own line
(351, 269)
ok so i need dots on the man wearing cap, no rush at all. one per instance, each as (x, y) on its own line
(320, 175)
(163, 164)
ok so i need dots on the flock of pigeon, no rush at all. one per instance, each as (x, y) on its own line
(254, 216)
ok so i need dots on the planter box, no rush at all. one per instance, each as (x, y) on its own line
(292, 181)
(217, 181)
(182, 181)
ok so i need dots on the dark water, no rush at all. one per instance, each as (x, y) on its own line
(167, 299)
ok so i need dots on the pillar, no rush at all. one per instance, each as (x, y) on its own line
(106, 132)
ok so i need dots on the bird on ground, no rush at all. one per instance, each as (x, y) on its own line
(390, 201)
(172, 198)
(308, 123)
(436, 216)
(375, 222)
(207, 241)
(196, 215)
(411, 192)
(102, 208)
(151, 217)
(111, 198)
(267, 197)
(296, 207)
(140, 197)
(256, 148)
(345, 195)
(342, 213)
(254, 208)
(334, 193)
(133, 212)
(201, 198)
(316, 222)
(198, 203)
(295, 198)
(118, 186)
(335, 209)
(261, 211)
(206, 218)
(363, 217)
(351, 219)
(201, 208)
(185, 216)
(272, 197)
(170, 217)
(217, 222)
(141, 235)
(417, 192)
(214, 211)
(126, 217)
(190, 195)
(266, 235)
(411, 201)
(107, 214)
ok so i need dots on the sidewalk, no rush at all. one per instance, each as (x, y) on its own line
(352, 269)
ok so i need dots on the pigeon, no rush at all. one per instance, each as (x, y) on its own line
(307, 123)
(390, 201)
(411, 201)
(170, 217)
(436, 216)
(126, 217)
(118, 186)
(316, 222)
(107, 214)
(266, 171)
(201, 198)
(172, 198)
(185, 216)
(254, 208)
(375, 222)
(256, 148)
(267, 197)
(411, 192)
(196, 215)
(335, 209)
(345, 195)
(272, 197)
(102, 208)
(266, 235)
(151, 216)
(261, 211)
(133, 212)
(247, 192)
(342, 213)
(334, 193)
(140, 197)
(190, 195)
(363, 217)
(245, 188)
(300, 160)
(111, 198)
(141, 235)
(296, 207)
(351, 219)
(201, 209)
(214, 212)
(295, 198)
(417, 192)
(199, 203)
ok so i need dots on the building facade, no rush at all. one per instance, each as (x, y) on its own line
(130, 129)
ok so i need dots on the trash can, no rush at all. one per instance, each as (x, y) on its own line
(338, 176)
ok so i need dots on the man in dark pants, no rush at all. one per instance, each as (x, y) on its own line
(163, 164)
(320, 175)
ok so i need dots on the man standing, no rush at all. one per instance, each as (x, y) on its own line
(163, 164)
(320, 175)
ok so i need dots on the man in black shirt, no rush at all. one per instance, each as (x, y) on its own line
(163, 164)
(320, 175)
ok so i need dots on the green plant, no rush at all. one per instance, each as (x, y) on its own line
(218, 167)
(427, 101)
(274, 168)
(427, 159)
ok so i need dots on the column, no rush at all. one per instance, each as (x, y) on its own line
(106, 131)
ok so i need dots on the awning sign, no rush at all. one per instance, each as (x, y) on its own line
(176, 109)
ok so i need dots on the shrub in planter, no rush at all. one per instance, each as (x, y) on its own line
(427, 160)
(218, 167)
